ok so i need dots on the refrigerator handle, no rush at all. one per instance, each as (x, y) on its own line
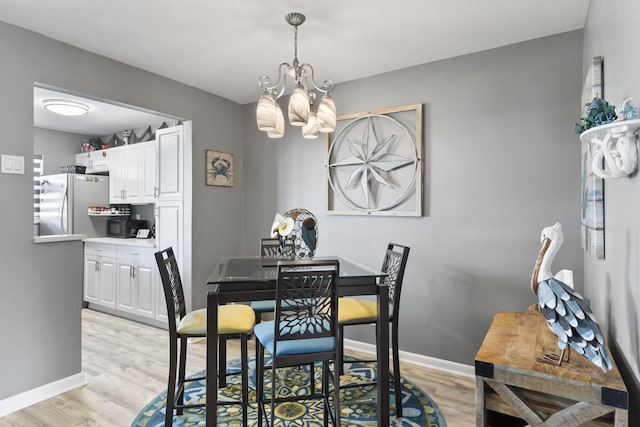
(64, 204)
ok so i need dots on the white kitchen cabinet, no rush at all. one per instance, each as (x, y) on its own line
(170, 163)
(133, 173)
(124, 182)
(91, 278)
(95, 161)
(170, 203)
(117, 175)
(136, 281)
(169, 224)
(127, 281)
(100, 275)
(149, 171)
(132, 169)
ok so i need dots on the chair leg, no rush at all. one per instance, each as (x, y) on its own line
(260, 381)
(222, 362)
(273, 391)
(396, 368)
(258, 320)
(181, 374)
(336, 387)
(325, 391)
(245, 377)
(336, 401)
(340, 365)
(312, 378)
(171, 385)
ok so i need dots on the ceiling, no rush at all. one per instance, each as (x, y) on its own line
(222, 47)
(103, 118)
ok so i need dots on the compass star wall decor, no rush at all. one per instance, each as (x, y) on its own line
(374, 163)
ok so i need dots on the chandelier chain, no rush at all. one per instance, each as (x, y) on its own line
(295, 44)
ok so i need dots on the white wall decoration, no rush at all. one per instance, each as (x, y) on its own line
(374, 164)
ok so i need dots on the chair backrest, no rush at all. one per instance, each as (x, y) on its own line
(172, 286)
(306, 300)
(269, 250)
(395, 261)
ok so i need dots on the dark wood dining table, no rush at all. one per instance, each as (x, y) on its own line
(241, 279)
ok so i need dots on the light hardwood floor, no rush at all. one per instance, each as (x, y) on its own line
(126, 365)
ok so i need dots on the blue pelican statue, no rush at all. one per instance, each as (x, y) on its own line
(566, 311)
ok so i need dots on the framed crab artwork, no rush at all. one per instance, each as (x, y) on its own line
(219, 168)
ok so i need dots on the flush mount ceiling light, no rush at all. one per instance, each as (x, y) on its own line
(302, 111)
(65, 107)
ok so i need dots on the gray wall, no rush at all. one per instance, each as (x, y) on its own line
(58, 148)
(501, 163)
(613, 284)
(41, 284)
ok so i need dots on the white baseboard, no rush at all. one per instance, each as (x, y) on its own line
(417, 359)
(33, 396)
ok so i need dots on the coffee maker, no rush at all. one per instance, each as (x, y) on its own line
(137, 224)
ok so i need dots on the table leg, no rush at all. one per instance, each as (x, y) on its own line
(383, 356)
(211, 406)
(481, 412)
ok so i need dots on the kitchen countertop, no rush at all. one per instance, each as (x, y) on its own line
(59, 238)
(144, 243)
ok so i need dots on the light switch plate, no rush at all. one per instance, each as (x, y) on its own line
(12, 164)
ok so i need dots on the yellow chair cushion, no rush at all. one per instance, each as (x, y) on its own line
(232, 319)
(358, 310)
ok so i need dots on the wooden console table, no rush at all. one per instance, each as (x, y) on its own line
(509, 379)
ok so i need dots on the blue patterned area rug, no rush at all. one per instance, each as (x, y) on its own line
(357, 406)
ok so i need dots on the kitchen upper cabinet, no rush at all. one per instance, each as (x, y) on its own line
(117, 175)
(149, 173)
(170, 164)
(133, 173)
(95, 161)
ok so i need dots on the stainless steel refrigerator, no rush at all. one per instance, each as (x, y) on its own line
(64, 204)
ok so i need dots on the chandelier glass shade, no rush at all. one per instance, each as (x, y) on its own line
(301, 110)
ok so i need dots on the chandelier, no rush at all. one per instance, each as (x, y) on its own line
(301, 110)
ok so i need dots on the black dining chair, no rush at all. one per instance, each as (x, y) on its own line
(269, 249)
(304, 330)
(358, 311)
(233, 320)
